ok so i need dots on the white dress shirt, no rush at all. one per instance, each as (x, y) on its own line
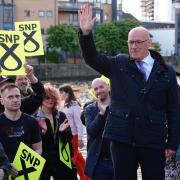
(147, 65)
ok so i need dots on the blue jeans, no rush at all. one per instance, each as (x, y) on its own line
(103, 170)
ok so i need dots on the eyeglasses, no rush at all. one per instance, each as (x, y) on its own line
(137, 43)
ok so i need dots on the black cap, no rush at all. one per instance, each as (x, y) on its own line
(4, 79)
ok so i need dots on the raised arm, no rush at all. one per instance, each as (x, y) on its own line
(31, 103)
(92, 57)
(30, 74)
(86, 21)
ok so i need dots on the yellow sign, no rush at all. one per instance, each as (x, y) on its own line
(33, 44)
(65, 155)
(12, 57)
(28, 163)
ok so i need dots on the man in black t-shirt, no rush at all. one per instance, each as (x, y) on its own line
(15, 126)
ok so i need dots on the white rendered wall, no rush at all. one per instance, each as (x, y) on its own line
(163, 10)
(166, 38)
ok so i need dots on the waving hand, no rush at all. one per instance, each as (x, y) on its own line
(86, 21)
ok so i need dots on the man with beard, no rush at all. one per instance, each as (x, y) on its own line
(32, 102)
(98, 163)
(24, 85)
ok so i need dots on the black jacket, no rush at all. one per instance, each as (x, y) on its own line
(95, 126)
(145, 114)
(31, 103)
(50, 140)
(4, 162)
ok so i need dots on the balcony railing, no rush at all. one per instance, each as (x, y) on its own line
(70, 22)
(69, 5)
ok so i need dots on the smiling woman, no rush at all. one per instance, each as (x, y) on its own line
(55, 131)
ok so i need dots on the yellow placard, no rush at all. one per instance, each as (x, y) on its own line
(106, 79)
(65, 155)
(33, 43)
(12, 57)
(28, 163)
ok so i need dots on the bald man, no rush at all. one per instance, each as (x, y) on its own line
(143, 124)
(98, 162)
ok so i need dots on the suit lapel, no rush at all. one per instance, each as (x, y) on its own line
(135, 73)
(155, 72)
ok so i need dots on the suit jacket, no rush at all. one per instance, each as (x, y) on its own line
(142, 113)
(94, 125)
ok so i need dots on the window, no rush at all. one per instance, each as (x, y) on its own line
(26, 13)
(98, 18)
(7, 1)
(73, 17)
(41, 13)
(106, 17)
(7, 15)
(49, 13)
(7, 26)
(90, 1)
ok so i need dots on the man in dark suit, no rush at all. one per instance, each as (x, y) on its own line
(143, 124)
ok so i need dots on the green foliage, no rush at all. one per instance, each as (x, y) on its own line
(156, 46)
(111, 38)
(53, 56)
(41, 59)
(64, 37)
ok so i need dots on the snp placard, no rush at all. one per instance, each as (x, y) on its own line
(33, 44)
(12, 56)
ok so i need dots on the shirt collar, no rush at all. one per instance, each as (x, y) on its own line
(148, 60)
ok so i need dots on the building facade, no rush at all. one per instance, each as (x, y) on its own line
(24, 10)
(177, 26)
(53, 12)
(157, 10)
(7, 14)
(147, 9)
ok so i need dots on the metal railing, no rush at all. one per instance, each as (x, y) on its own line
(76, 5)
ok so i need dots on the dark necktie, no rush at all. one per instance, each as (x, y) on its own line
(142, 69)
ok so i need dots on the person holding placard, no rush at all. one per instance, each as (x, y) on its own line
(56, 138)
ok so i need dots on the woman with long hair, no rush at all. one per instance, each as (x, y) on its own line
(72, 109)
(56, 138)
